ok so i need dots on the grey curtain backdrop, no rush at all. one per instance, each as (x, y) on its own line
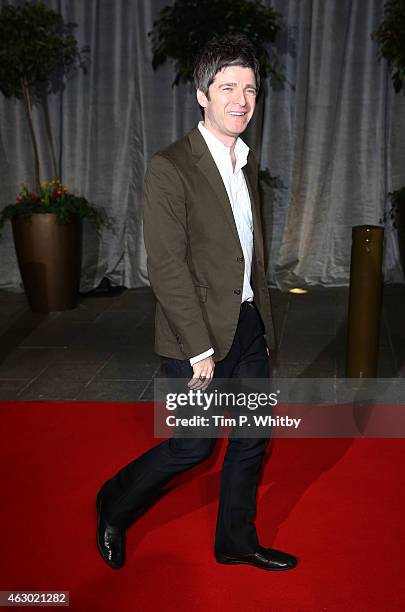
(334, 134)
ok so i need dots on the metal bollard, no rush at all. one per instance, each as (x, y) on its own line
(365, 300)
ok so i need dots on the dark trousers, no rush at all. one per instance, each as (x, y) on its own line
(138, 484)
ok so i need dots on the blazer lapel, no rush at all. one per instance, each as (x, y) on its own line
(208, 167)
(251, 180)
(209, 170)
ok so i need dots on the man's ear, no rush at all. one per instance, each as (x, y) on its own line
(201, 98)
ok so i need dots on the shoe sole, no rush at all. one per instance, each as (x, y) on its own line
(225, 561)
(100, 548)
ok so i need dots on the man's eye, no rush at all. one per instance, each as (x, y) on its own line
(251, 92)
(226, 89)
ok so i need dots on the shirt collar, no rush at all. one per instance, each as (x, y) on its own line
(218, 149)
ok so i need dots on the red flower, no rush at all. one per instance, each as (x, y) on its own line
(20, 198)
(33, 196)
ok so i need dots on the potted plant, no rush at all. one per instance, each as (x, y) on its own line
(47, 237)
(38, 52)
(397, 215)
(184, 28)
(390, 36)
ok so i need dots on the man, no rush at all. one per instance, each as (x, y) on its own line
(206, 266)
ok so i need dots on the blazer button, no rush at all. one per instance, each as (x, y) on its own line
(240, 259)
(237, 291)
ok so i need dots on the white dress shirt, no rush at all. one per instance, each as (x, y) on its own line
(238, 194)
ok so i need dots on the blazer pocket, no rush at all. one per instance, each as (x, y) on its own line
(201, 292)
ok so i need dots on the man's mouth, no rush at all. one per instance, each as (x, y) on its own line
(237, 113)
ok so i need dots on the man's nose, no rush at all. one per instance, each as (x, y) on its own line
(240, 97)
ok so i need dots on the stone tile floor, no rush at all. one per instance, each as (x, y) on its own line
(103, 349)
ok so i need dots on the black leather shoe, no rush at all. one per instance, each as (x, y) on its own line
(264, 558)
(110, 540)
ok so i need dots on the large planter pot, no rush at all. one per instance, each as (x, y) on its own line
(49, 256)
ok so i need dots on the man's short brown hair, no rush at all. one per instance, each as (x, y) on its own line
(219, 53)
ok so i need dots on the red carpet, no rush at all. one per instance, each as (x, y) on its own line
(337, 504)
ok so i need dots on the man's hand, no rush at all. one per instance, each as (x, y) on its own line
(203, 373)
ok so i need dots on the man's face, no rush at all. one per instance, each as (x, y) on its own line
(230, 103)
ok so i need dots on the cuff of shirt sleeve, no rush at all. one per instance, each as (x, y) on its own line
(201, 356)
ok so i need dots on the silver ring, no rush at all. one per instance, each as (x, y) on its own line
(203, 377)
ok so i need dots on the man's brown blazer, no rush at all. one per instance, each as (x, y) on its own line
(195, 260)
